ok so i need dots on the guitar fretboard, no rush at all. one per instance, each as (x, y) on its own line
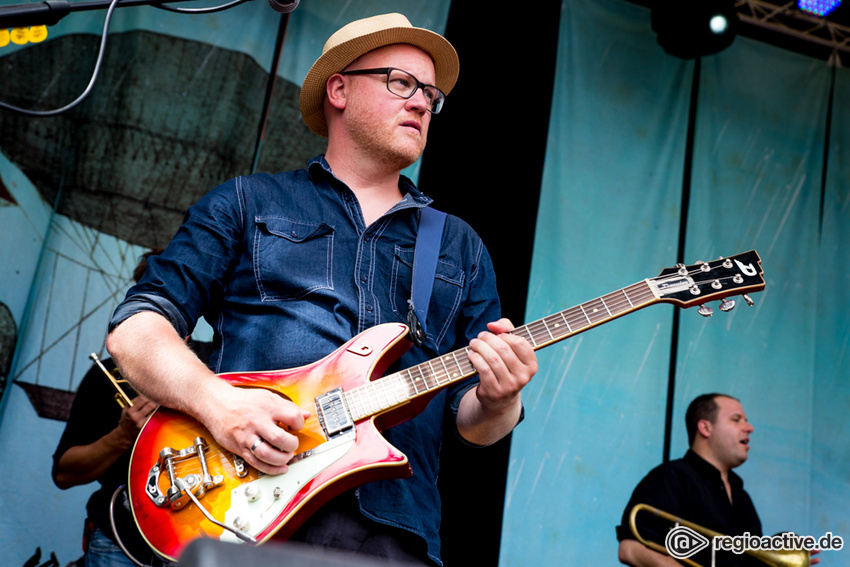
(396, 389)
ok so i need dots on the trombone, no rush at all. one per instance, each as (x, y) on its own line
(115, 379)
(778, 558)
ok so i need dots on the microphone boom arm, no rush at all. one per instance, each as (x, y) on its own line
(50, 12)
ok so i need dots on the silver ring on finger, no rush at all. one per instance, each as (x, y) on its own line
(256, 444)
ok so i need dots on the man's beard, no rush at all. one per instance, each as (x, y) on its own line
(381, 138)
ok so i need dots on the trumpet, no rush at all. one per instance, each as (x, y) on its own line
(772, 558)
(115, 379)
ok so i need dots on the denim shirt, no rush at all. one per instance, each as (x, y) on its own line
(285, 270)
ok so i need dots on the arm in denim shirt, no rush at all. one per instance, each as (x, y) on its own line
(147, 332)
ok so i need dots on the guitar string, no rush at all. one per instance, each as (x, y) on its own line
(439, 377)
(614, 304)
(580, 317)
(391, 390)
(431, 378)
(379, 395)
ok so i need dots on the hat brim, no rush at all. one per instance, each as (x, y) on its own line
(446, 66)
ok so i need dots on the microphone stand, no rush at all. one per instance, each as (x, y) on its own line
(50, 12)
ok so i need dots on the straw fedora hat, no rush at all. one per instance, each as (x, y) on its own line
(360, 37)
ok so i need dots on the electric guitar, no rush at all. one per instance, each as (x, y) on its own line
(183, 485)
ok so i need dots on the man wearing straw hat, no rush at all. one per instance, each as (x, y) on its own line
(289, 266)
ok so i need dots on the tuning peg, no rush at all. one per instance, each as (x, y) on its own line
(749, 300)
(705, 310)
(727, 305)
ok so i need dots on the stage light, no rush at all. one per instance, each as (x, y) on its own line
(818, 7)
(693, 28)
(718, 24)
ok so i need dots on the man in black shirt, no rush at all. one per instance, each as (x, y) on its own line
(96, 445)
(700, 488)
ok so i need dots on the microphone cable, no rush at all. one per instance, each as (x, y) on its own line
(209, 10)
(82, 97)
(102, 51)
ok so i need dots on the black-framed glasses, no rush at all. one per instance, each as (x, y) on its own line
(403, 84)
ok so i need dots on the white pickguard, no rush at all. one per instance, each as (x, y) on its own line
(256, 504)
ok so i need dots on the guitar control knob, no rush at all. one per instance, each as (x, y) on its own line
(252, 493)
(240, 523)
(705, 310)
(727, 305)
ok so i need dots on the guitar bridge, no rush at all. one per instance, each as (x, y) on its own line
(198, 483)
(333, 413)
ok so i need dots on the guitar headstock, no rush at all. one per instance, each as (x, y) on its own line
(699, 283)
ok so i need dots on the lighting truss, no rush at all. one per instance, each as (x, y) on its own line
(789, 20)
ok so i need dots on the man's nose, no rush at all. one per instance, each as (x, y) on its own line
(419, 101)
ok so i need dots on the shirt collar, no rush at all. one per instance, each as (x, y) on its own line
(412, 195)
(709, 471)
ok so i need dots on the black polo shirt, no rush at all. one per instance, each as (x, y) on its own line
(692, 489)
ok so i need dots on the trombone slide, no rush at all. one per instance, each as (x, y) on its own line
(120, 395)
(780, 558)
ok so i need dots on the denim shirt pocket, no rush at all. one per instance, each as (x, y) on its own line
(291, 258)
(446, 294)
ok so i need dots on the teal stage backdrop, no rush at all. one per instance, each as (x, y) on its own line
(182, 102)
(609, 215)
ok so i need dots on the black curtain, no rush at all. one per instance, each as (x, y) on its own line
(484, 163)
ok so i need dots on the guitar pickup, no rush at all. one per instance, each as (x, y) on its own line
(333, 413)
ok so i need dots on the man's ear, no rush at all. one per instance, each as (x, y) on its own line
(704, 428)
(335, 91)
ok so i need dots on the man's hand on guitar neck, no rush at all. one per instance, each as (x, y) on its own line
(505, 364)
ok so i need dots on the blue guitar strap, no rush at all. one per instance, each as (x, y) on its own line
(425, 258)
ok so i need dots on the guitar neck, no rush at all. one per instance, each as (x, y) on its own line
(397, 389)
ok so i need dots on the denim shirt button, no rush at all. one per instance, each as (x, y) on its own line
(363, 279)
(369, 307)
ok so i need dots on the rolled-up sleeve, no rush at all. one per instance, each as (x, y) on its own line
(137, 303)
(183, 282)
